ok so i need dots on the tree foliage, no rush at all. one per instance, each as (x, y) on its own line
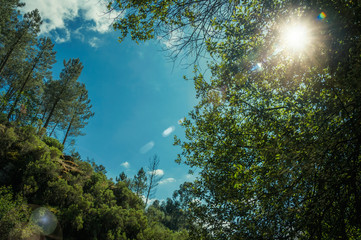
(80, 112)
(139, 183)
(186, 25)
(28, 93)
(276, 132)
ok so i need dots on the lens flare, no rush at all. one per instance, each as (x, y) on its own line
(45, 219)
(321, 16)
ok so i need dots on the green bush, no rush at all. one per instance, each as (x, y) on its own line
(14, 214)
(3, 118)
(52, 142)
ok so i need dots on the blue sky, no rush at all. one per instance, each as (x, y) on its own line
(137, 94)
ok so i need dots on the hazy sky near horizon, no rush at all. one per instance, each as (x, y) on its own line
(137, 94)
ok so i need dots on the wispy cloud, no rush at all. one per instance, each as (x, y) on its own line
(150, 201)
(168, 131)
(157, 172)
(125, 164)
(95, 11)
(167, 180)
(62, 36)
(78, 33)
(94, 42)
(173, 39)
(190, 177)
(57, 14)
(147, 147)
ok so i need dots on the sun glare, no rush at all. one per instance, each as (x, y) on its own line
(295, 37)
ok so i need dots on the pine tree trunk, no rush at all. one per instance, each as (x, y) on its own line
(56, 103)
(7, 96)
(51, 113)
(35, 118)
(52, 131)
(22, 89)
(68, 130)
(44, 114)
(149, 189)
(8, 54)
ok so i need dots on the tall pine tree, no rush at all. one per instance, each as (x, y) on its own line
(59, 94)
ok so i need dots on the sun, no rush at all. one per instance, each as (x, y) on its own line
(295, 37)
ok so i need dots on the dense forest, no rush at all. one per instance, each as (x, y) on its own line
(275, 136)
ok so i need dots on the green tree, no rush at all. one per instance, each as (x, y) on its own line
(9, 13)
(123, 178)
(139, 183)
(59, 94)
(187, 24)
(9, 19)
(41, 61)
(79, 113)
(179, 208)
(19, 37)
(17, 51)
(14, 214)
(276, 132)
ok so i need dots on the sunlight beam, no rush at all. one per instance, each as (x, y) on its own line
(295, 37)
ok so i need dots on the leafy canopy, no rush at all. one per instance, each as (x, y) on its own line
(276, 134)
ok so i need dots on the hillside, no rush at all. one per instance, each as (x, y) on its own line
(87, 205)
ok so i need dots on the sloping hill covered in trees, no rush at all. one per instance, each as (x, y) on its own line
(87, 205)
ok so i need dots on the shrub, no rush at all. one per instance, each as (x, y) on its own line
(52, 142)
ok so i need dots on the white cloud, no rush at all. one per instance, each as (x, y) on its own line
(125, 164)
(147, 147)
(96, 12)
(57, 13)
(78, 34)
(173, 39)
(167, 180)
(61, 38)
(94, 42)
(190, 177)
(150, 201)
(53, 13)
(157, 172)
(168, 131)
